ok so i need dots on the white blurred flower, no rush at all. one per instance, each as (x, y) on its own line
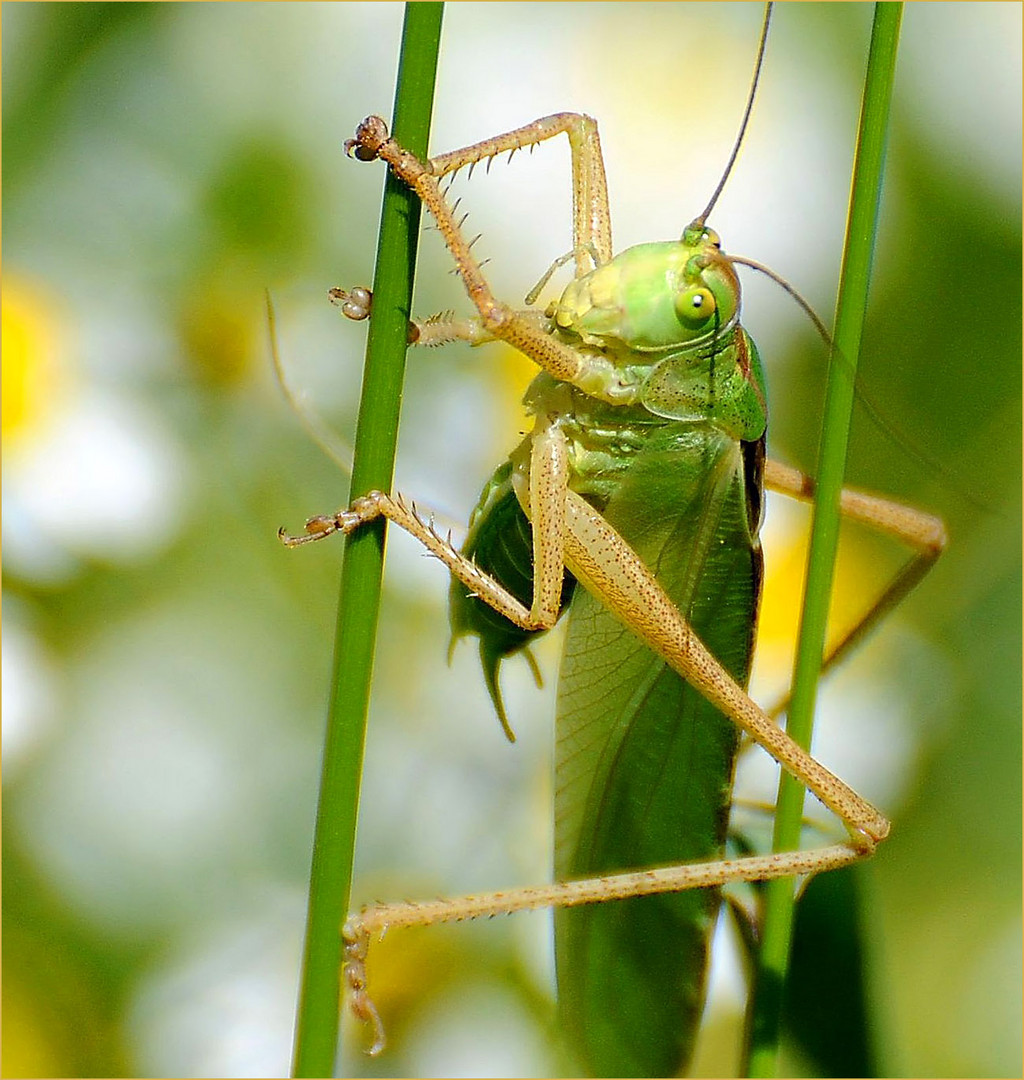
(88, 472)
(29, 690)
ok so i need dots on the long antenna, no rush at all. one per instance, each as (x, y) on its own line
(746, 117)
(316, 427)
(928, 463)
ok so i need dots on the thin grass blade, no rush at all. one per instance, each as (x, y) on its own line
(317, 1020)
(764, 1020)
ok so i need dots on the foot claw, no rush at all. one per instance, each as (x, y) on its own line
(370, 136)
(354, 304)
(357, 943)
(316, 529)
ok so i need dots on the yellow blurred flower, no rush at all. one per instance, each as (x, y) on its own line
(89, 470)
(35, 369)
(857, 583)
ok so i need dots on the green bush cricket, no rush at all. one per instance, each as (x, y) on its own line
(647, 374)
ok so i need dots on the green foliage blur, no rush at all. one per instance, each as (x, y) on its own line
(165, 661)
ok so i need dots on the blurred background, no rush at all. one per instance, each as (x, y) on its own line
(166, 662)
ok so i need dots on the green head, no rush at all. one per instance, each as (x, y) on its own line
(673, 308)
(654, 298)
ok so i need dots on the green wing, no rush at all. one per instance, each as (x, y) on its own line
(644, 763)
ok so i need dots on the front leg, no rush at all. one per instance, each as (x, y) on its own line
(592, 229)
(442, 329)
(592, 373)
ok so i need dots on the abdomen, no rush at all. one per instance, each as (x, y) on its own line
(644, 763)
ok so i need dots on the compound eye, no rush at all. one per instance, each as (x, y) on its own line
(694, 306)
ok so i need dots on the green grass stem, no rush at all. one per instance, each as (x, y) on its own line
(317, 1019)
(766, 1005)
